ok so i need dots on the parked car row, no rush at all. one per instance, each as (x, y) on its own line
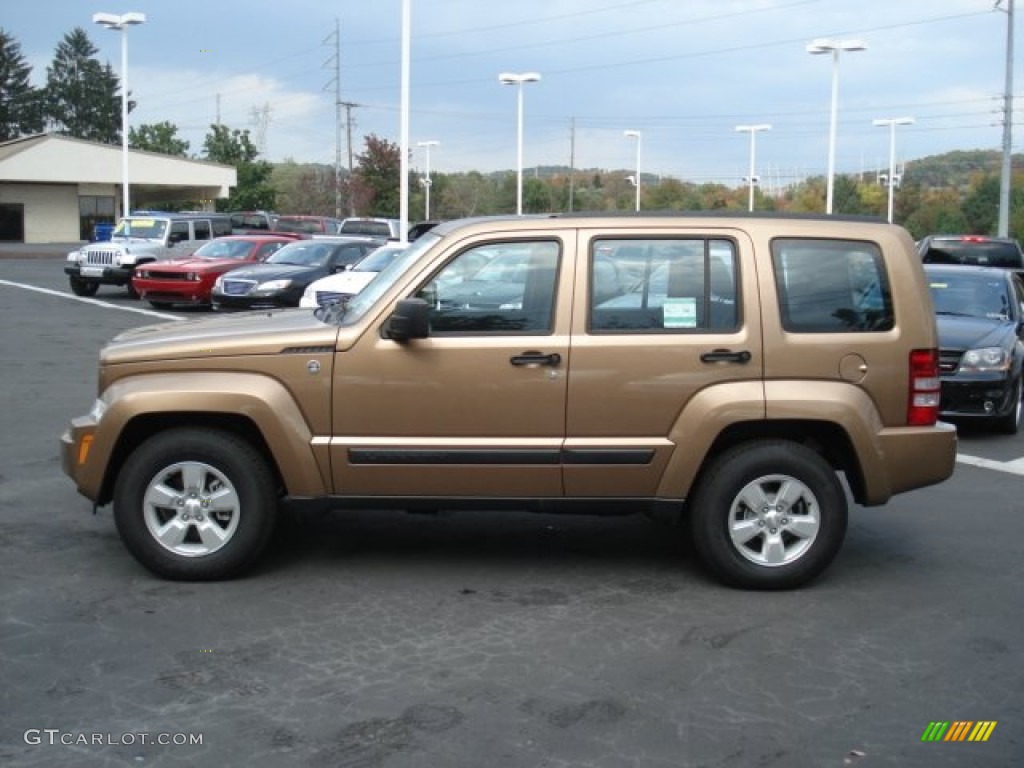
(176, 258)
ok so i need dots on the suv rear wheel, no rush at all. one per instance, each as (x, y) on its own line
(768, 515)
(195, 504)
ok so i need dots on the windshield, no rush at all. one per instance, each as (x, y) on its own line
(351, 311)
(306, 254)
(151, 229)
(224, 249)
(379, 259)
(970, 295)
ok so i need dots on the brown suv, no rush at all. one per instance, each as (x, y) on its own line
(720, 369)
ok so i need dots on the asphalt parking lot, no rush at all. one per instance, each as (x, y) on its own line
(458, 640)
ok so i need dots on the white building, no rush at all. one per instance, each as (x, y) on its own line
(55, 189)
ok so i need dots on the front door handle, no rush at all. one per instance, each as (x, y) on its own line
(536, 358)
(725, 356)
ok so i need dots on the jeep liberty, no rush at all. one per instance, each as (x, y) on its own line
(725, 371)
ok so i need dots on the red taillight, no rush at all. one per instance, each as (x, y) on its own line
(923, 404)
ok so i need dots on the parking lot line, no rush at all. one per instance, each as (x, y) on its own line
(1015, 467)
(95, 302)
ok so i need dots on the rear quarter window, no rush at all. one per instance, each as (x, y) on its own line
(831, 286)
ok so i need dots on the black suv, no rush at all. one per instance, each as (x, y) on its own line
(976, 250)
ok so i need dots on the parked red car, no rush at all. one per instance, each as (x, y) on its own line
(189, 280)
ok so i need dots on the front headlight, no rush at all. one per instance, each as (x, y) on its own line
(219, 282)
(985, 360)
(309, 292)
(273, 285)
(75, 256)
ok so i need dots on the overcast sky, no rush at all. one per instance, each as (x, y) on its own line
(684, 73)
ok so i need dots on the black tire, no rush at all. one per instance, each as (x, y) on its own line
(81, 287)
(1009, 423)
(132, 293)
(801, 543)
(201, 544)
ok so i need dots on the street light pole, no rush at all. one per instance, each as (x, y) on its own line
(823, 45)
(121, 23)
(517, 79)
(891, 123)
(1006, 170)
(753, 130)
(426, 180)
(639, 139)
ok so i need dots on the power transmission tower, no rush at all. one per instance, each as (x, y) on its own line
(335, 61)
(260, 119)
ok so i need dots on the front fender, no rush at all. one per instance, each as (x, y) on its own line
(263, 401)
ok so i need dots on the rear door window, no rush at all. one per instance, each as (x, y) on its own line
(674, 285)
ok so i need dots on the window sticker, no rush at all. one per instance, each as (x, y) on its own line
(679, 313)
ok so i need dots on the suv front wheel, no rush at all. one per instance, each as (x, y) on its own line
(81, 287)
(769, 514)
(195, 504)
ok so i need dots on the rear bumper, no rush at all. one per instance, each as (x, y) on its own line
(914, 457)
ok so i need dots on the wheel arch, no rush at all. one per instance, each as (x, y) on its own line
(144, 426)
(827, 439)
(254, 407)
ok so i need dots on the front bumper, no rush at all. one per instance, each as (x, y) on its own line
(173, 292)
(77, 458)
(100, 274)
(976, 398)
(278, 300)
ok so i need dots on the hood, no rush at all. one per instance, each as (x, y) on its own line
(973, 332)
(264, 272)
(197, 264)
(237, 334)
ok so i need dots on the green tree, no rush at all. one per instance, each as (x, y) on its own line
(158, 137)
(981, 205)
(235, 147)
(375, 178)
(20, 104)
(82, 98)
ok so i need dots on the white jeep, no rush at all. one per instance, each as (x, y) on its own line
(138, 239)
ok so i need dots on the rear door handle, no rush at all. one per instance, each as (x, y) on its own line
(536, 358)
(725, 356)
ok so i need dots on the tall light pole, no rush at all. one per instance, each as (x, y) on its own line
(639, 139)
(824, 45)
(1006, 172)
(517, 79)
(753, 130)
(891, 123)
(121, 23)
(426, 179)
(403, 140)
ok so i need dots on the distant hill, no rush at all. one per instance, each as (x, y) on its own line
(955, 169)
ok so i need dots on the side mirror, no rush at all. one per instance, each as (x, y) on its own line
(410, 320)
